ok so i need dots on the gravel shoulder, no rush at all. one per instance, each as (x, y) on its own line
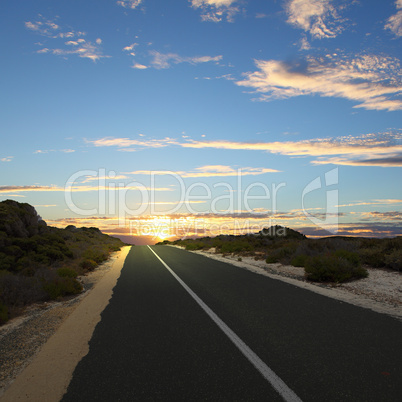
(381, 291)
(22, 338)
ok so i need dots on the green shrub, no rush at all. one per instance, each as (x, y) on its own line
(62, 287)
(394, 260)
(7, 262)
(373, 256)
(14, 251)
(332, 268)
(3, 313)
(299, 260)
(27, 244)
(216, 242)
(54, 254)
(280, 254)
(18, 290)
(51, 252)
(66, 272)
(272, 259)
(350, 256)
(235, 246)
(88, 265)
(41, 259)
(195, 246)
(95, 254)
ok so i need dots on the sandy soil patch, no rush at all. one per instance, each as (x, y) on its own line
(380, 292)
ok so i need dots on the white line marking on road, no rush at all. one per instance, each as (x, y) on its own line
(286, 393)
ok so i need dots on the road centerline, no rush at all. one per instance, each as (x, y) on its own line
(276, 382)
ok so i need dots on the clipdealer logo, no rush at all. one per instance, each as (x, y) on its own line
(116, 199)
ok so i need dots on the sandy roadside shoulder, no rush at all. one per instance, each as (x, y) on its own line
(47, 376)
(380, 292)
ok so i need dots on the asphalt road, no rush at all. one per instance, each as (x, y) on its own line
(155, 342)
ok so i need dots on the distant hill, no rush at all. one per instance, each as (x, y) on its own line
(39, 262)
(246, 243)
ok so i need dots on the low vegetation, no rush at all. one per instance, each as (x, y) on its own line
(38, 262)
(332, 259)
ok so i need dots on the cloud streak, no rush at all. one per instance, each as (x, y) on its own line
(129, 3)
(78, 188)
(370, 80)
(212, 171)
(380, 149)
(18, 189)
(130, 49)
(386, 201)
(165, 60)
(127, 142)
(46, 151)
(383, 216)
(318, 17)
(383, 149)
(394, 22)
(69, 42)
(216, 10)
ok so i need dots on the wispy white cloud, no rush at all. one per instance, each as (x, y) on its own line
(50, 29)
(88, 179)
(7, 159)
(216, 10)
(75, 188)
(386, 201)
(82, 49)
(46, 151)
(129, 3)
(212, 171)
(46, 27)
(383, 216)
(75, 45)
(375, 149)
(130, 49)
(304, 44)
(127, 142)
(392, 160)
(165, 60)
(18, 189)
(382, 149)
(394, 22)
(139, 66)
(318, 17)
(368, 79)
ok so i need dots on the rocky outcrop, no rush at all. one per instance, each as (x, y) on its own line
(20, 219)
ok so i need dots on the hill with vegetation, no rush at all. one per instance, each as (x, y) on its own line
(39, 262)
(331, 259)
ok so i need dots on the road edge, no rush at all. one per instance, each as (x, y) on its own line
(47, 377)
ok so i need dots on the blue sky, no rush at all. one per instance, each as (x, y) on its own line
(283, 92)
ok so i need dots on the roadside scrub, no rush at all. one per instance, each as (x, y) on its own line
(40, 263)
(334, 259)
